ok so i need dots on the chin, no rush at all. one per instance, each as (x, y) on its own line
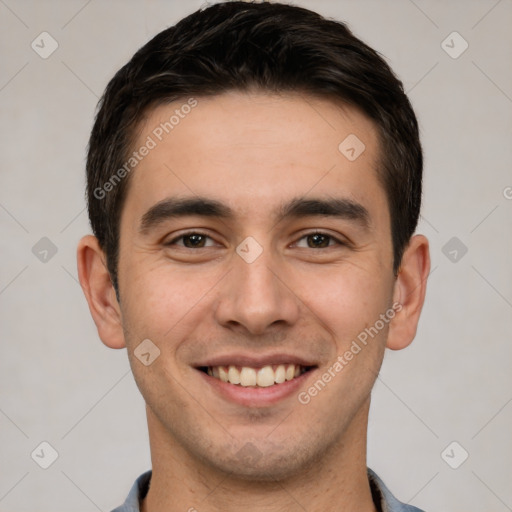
(269, 470)
(262, 461)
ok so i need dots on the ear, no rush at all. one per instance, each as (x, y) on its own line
(409, 292)
(99, 292)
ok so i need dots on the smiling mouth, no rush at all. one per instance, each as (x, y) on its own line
(246, 376)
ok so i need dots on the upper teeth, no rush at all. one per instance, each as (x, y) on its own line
(263, 377)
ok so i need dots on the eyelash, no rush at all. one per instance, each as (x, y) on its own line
(312, 233)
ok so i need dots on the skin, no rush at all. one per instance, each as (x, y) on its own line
(253, 152)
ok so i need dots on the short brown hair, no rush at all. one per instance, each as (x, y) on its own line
(240, 46)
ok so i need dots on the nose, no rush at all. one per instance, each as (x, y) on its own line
(257, 297)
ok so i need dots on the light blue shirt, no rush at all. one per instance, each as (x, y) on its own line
(383, 499)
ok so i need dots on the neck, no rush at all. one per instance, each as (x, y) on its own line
(336, 479)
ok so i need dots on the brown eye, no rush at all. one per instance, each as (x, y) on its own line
(191, 240)
(194, 240)
(317, 241)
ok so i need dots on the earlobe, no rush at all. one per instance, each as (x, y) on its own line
(99, 292)
(409, 292)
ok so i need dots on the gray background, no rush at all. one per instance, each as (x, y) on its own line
(59, 384)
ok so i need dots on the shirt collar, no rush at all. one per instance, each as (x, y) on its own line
(382, 497)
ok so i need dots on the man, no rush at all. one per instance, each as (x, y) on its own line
(254, 183)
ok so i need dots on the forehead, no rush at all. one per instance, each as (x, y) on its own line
(251, 150)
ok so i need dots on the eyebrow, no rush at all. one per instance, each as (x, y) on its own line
(170, 208)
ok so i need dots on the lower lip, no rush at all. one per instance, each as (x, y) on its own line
(256, 396)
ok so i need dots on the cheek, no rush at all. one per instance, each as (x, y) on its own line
(346, 298)
(163, 301)
(348, 303)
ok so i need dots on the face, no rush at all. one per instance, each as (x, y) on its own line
(254, 250)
